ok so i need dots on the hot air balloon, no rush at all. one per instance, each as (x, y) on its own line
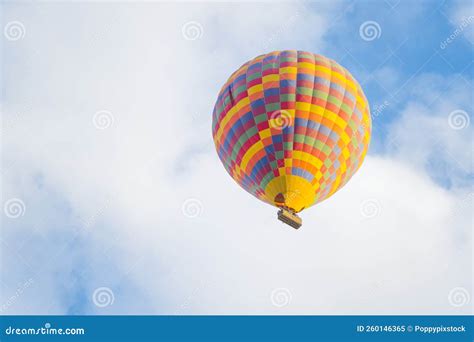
(291, 128)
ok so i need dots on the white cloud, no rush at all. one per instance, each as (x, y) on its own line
(434, 131)
(231, 258)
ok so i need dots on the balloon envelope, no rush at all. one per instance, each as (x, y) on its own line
(291, 127)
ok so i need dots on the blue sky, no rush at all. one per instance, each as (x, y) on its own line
(411, 35)
(124, 207)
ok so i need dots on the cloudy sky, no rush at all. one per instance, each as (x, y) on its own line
(114, 200)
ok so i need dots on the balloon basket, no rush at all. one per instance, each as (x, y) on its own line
(290, 218)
